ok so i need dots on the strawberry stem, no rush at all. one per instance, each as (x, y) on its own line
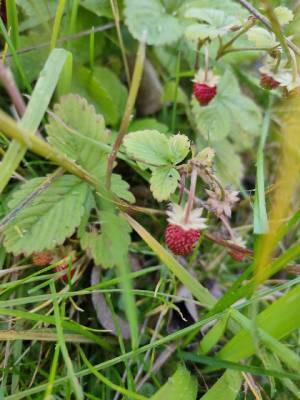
(190, 202)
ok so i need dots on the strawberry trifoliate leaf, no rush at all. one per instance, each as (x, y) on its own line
(150, 21)
(110, 247)
(76, 130)
(163, 182)
(148, 146)
(51, 217)
(213, 23)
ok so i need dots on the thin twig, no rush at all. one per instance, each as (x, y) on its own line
(8, 82)
(266, 22)
(136, 80)
(67, 38)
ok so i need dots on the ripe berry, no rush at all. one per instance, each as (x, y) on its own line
(204, 93)
(268, 82)
(236, 255)
(179, 240)
(64, 267)
(42, 258)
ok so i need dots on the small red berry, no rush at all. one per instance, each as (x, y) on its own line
(237, 255)
(268, 82)
(179, 240)
(204, 93)
(42, 258)
(64, 267)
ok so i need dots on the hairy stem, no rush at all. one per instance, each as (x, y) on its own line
(266, 22)
(191, 196)
(8, 82)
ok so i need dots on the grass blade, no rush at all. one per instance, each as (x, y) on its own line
(64, 351)
(35, 111)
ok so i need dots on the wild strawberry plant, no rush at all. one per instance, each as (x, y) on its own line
(141, 131)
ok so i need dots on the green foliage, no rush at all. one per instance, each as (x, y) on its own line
(160, 154)
(226, 388)
(110, 247)
(213, 23)
(181, 386)
(163, 182)
(49, 219)
(37, 12)
(101, 8)
(75, 129)
(227, 112)
(148, 20)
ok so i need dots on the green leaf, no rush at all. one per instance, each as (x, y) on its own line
(213, 122)
(147, 123)
(156, 149)
(284, 15)
(261, 37)
(49, 219)
(229, 166)
(179, 147)
(36, 12)
(101, 8)
(226, 388)
(228, 6)
(148, 146)
(181, 386)
(170, 89)
(216, 23)
(163, 182)
(110, 247)
(75, 129)
(89, 86)
(148, 20)
(120, 188)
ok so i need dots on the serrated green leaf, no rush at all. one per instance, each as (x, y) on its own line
(216, 23)
(156, 149)
(149, 20)
(75, 129)
(121, 188)
(179, 147)
(49, 219)
(163, 182)
(261, 37)
(110, 247)
(181, 386)
(148, 146)
(87, 85)
(284, 15)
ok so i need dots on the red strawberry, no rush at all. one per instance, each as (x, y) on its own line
(179, 240)
(42, 258)
(204, 93)
(236, 255)
(64, 267)
(268, 82)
